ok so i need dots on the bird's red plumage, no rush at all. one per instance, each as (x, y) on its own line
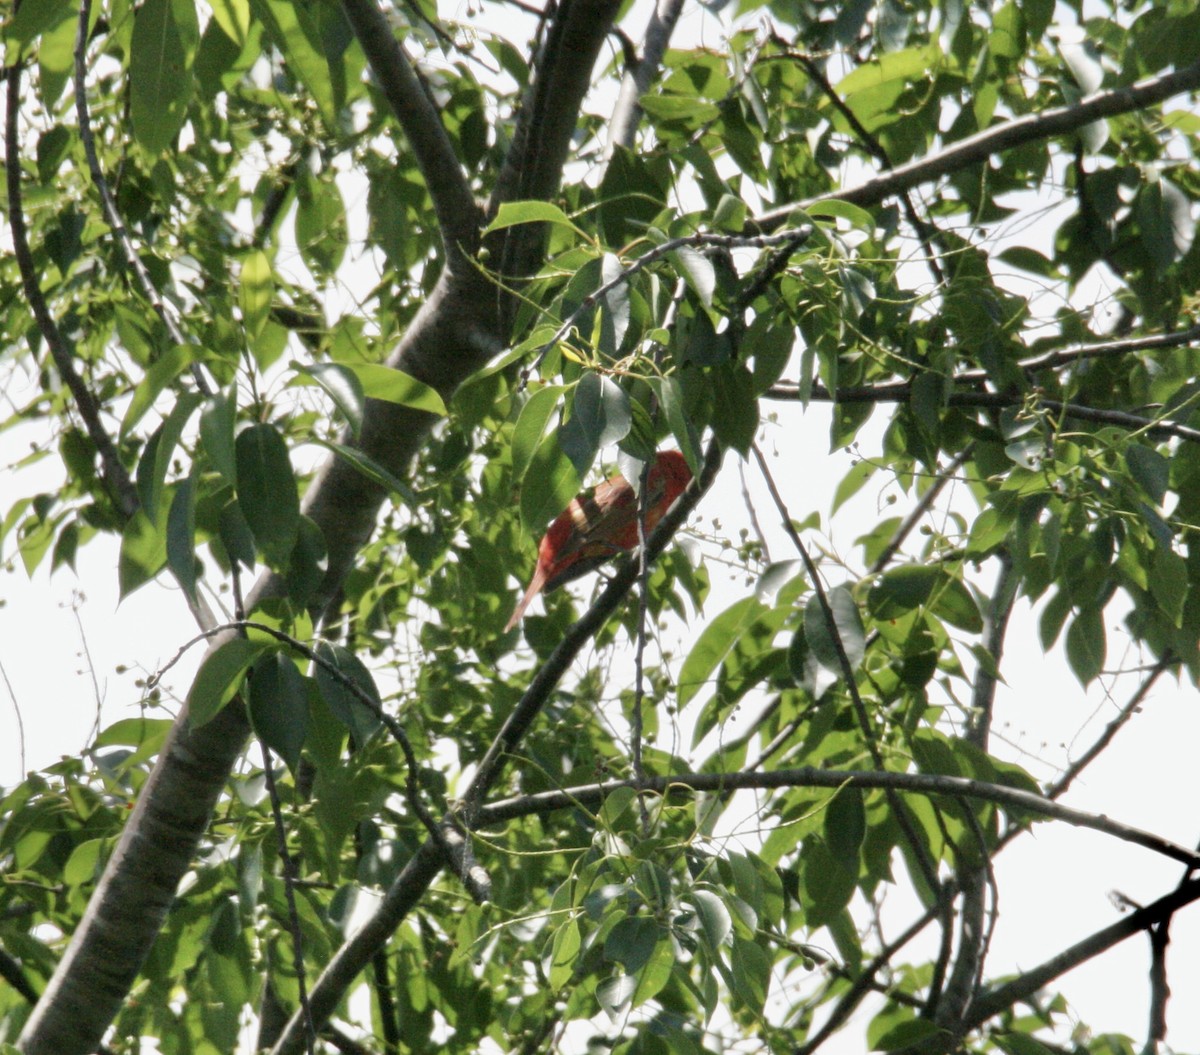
(600, 524)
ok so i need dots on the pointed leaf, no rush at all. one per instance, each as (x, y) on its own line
(165, 35)
(549, 484)
(531, 426)
(216, 433)
(345, 704)
(181, 536)
(342, 385)
(277, 699)
(847, 623)
(220, 677)
(395, 386)
(267, 492)
(143, 554)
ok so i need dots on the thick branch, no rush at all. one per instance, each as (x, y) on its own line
(1014, 133)
(459, 218)
(545, 128)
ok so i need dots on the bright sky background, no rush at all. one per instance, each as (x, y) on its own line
(64, 640)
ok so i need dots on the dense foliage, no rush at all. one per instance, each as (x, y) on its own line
(473, 263)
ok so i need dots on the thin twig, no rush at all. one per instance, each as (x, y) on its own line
(452, 844)
(112, 214)
(1063, 783)
(789, 239)
(289, 892)
(899, 392)
(917, 514)
(923, 228)
(120, 487)
(920, 852)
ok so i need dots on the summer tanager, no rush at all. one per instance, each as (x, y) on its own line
(600, 523)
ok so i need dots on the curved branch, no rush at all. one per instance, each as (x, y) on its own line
(591, 796)
(120, 486)
(459, 218)
(1014, 133)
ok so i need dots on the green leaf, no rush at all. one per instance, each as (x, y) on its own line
(735, 409)
(181, 537)
(307, 564)
(902, 589)
(371, 469)
(564, 951)
(843, 210)
(656, 972)
(233, 16)
(601, 414)
(342, 385)
(220, 677)
(165, 35)
(614, 993)
(714, 917)
(954, 603)
(1150, 469)
(345, 704)
(697, 271)
(714, 644)
(162, 373)
(549, 484)
(828, 884)
(216, 433)
(235, 535)
(632, 942)
(1086, 644)
(750, 969)
(292, 30)
(267, 492)
(320, 224)
(143, 554)
(846, 826)
(31, 20)
(671, 399)
(531, 426)
(614, 317)
(848, 625)
(278, 703)
(513, 213)
(395, 386)
(156, 459)
(255, 290)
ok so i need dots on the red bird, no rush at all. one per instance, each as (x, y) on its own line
(598, 524)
